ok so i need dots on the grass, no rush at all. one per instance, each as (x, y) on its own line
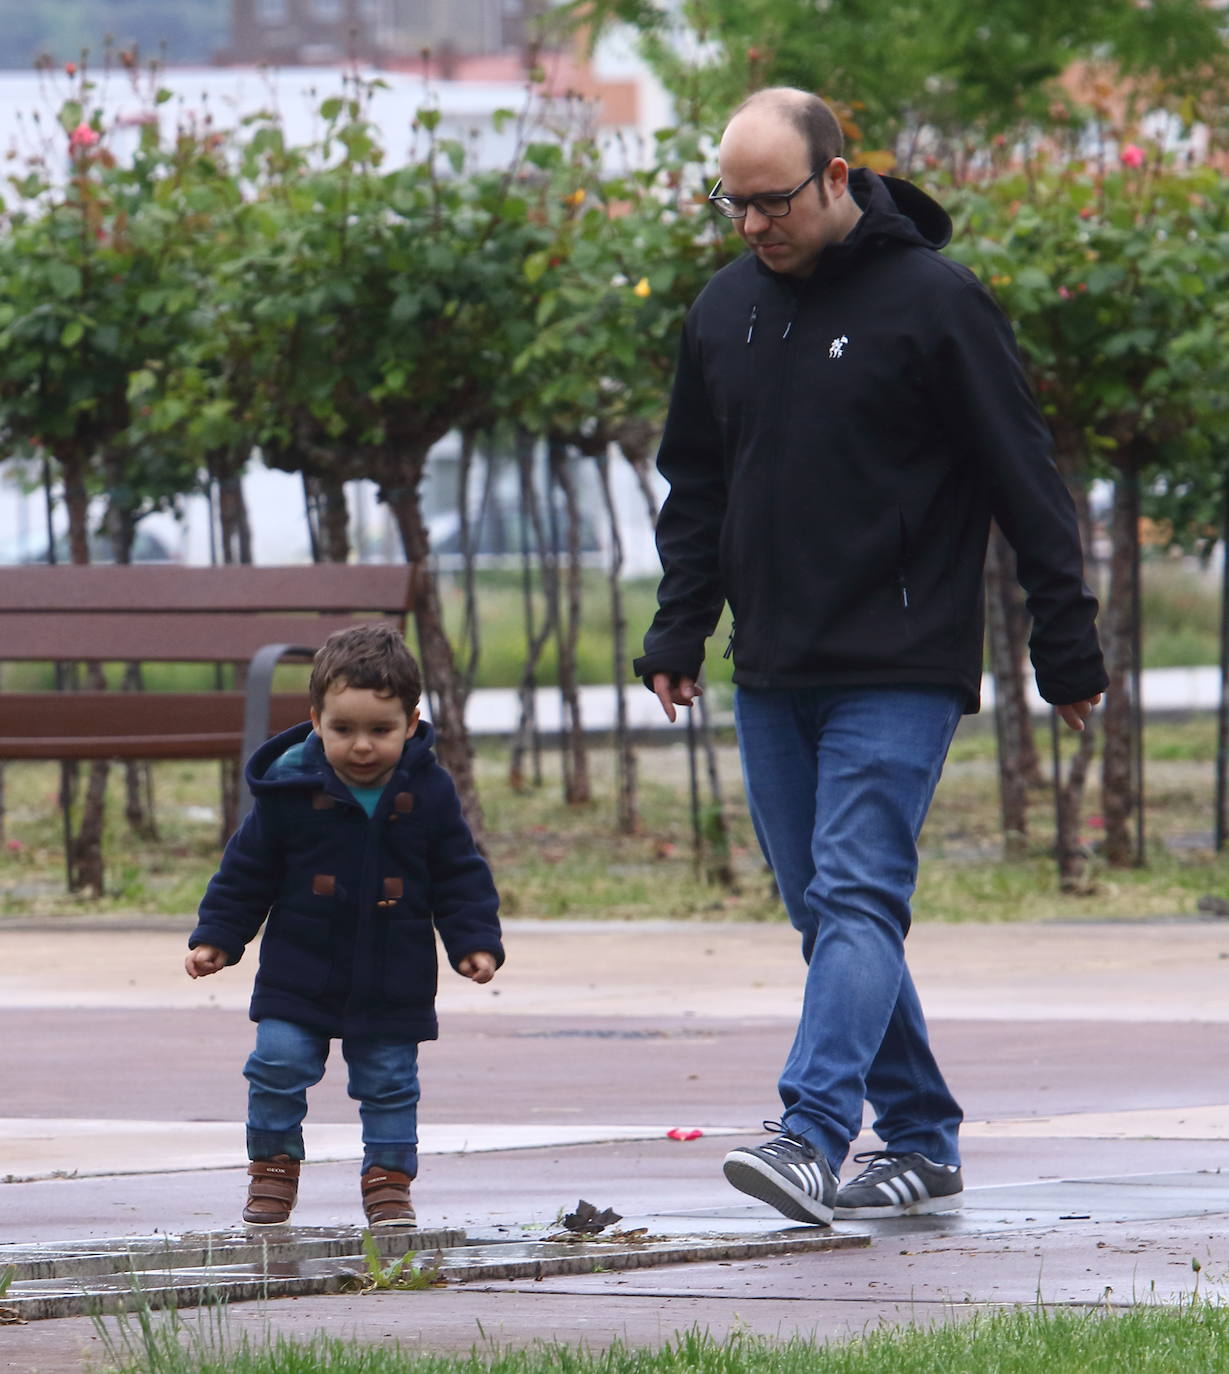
(553, 860)
(1180, 614)
(1192, 1337)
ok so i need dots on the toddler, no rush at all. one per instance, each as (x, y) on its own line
(355, 853)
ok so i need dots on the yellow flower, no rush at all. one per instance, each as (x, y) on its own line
(642, 289)
(576, 197)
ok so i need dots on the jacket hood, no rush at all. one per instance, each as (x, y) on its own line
(892, 208)
(893, 211)
(312, 768)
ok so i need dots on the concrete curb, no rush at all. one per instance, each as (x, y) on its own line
(192, 1271)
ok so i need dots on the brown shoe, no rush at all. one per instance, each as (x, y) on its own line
(273, 1186)
(386, 1198)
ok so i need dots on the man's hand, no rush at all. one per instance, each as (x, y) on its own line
(204, 960)
(479, 967)
(675, 691)
(1078, 712)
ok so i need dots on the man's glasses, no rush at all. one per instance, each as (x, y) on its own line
(773, 204)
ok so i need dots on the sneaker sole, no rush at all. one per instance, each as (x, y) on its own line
(406, 1223)
(925, 1207)
(760, 1181)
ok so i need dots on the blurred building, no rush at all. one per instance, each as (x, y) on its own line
(386, 32)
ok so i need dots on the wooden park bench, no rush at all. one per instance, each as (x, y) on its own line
(250, 616)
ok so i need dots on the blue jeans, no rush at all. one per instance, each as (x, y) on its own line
(289, 1059)
(838, 783)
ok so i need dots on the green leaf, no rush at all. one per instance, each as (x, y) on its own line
(72, 333)
(331, 108)
(141, 381)
(71, 114)
(428, 119)
(535, 266)
(1032, 279)
(64, 279)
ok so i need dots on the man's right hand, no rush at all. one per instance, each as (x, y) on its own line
(675, 690)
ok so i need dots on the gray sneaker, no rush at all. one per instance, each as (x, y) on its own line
(894, 1185)
(786, 1173)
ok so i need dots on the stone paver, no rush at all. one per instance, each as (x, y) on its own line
(1087, 1058)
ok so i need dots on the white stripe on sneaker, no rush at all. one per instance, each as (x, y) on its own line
(919, 1188)
(891, 1189)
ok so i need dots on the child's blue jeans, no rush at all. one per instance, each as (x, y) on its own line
(290, 1058)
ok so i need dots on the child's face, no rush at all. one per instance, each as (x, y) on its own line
(363, 734)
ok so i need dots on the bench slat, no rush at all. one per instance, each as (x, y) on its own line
(110, 636)
(121, 747)
(328, 587)
(99, 725)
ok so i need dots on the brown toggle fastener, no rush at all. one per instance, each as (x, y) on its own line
(394, 890)
(324, 884)
(321, 801)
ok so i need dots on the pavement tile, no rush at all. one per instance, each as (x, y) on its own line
(1084, 1055)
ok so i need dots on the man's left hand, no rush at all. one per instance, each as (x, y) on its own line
(1077, 712)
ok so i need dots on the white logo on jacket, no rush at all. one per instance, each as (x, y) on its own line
(837, 348)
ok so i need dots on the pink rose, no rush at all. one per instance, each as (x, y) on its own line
(1132, 156)
(83, 136)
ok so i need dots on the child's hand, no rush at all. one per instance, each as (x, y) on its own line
(479, 967)
(204, 960)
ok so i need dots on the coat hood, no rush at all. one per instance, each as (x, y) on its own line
(311, 768)
(893, 211)
(892, 208)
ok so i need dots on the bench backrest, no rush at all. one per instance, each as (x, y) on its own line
(177, 614)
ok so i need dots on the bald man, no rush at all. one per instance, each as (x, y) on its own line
(848, 415)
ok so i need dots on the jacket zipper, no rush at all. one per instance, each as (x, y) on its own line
(755, 311)
(783, 380)
(729, 644)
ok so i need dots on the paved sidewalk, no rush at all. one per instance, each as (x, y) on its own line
(496, 710)
(1089, 1059)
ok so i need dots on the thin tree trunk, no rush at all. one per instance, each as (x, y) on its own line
(84, 847)
(1118, 794)
(576, 788)
(1222, 715)
(312, 516)
(138, 774)
(435, 651)
(718, 867)
(234, 526)
(1011, 717)
(526, 739)
(635, 439)
(235, 539)
(471, 637)
(333, 518)
(1068, 810)
(626, 802)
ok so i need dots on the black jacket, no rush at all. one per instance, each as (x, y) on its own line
(353, 903)
(836, 447)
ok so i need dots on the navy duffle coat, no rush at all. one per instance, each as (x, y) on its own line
(352, 903)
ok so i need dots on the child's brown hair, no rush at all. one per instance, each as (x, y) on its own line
(371, 657)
